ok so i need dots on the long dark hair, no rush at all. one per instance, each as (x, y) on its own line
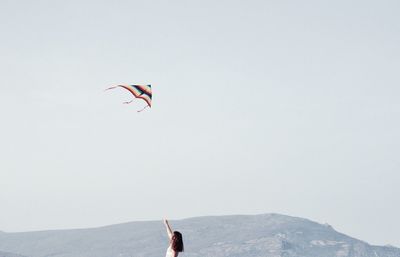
(177, 242)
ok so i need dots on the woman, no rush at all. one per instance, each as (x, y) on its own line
(175, 241)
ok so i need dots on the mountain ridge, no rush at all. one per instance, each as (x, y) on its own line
(267, 235)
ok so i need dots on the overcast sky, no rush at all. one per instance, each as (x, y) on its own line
(259, 106)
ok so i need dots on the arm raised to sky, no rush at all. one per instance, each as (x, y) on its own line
(169, 230)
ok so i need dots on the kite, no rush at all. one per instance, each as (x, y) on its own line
(138, 91)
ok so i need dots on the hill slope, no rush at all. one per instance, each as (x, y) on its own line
(269, 235)
(4, 254)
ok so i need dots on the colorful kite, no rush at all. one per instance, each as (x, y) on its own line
(138, 91)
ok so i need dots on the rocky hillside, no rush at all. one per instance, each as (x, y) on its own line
(269, 235)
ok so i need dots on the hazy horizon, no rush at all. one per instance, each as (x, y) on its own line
(259, 107)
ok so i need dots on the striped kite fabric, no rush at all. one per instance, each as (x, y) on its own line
(138, 91)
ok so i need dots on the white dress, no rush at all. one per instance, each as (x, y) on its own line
(170, 252)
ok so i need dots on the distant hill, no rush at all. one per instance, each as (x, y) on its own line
(268, 235)
(4, 254)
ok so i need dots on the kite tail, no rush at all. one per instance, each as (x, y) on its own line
(116, 87)
(110, 88)
(143, 108)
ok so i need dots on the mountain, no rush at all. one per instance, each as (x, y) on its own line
(267, 235)
(4, 254)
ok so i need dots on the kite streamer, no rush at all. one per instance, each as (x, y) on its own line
(138, 91)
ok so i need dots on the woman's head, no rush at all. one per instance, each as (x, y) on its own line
(177, 242)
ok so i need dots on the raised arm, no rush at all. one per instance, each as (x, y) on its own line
(169, 230)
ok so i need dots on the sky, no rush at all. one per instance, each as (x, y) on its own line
(289, 107)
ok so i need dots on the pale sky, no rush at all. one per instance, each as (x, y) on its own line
(289, 107)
